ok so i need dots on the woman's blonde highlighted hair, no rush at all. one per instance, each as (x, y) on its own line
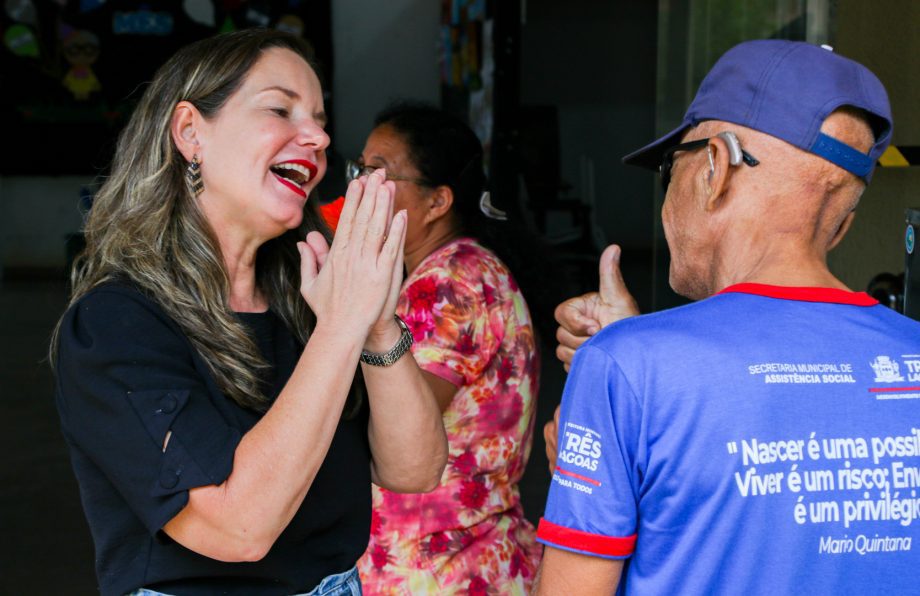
(145, 226)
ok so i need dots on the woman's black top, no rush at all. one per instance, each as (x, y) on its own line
(127, 375)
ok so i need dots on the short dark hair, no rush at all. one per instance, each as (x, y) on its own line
(445, 151)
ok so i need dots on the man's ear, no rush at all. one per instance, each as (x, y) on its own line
(440, 201)
(842, 230)
(717, 170)
(184, 129)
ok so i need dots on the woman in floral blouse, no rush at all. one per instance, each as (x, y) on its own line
(474, 341)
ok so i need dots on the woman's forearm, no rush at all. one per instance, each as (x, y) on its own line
(276, 461)
(406, 431)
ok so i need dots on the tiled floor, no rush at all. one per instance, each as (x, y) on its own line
(45, 546)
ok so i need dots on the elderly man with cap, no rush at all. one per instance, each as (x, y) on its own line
(764, 439)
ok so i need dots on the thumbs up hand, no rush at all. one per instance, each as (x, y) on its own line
(581, 317)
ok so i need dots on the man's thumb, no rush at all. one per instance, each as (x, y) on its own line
(612, 287)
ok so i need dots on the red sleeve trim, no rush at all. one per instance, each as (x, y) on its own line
(804, 294)
(585, 541)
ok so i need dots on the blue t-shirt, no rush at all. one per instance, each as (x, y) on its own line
(763, 441)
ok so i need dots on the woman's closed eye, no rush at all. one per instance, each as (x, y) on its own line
(283, 112)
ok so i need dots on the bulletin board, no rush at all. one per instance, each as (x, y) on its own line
(468, 65)
(480, 82)
(73, 70)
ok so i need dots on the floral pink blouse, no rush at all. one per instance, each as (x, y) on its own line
(469, 536)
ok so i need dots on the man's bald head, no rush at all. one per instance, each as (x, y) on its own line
(812, 125)
(797, 193)
(793, 204)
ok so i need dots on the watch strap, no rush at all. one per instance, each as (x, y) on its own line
(395, 353)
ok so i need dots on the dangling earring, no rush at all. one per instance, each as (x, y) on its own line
(193, 176)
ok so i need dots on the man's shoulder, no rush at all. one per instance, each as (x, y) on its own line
(670, 324)
(731, 320)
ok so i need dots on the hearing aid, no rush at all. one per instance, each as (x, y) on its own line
(734, 148)
(734, 151)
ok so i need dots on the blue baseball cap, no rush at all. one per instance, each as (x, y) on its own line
(786, 89)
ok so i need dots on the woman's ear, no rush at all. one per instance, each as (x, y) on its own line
(440, 201)
(184, 129)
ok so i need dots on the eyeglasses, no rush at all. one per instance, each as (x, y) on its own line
(667, 159)
(356, 169)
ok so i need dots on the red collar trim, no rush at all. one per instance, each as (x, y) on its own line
(807, 294)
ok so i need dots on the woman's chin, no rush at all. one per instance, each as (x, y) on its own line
(277, 224)
(290, 222)
(294, 222)
(288, 213)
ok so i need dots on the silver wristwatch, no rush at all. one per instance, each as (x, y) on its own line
(389, 358)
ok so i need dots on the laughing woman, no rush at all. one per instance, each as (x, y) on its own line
(219, 438)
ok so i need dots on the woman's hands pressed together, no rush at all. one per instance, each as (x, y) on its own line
(349, 286)
(354, 284)
(352, 287)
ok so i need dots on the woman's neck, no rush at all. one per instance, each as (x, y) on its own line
(438, 237)
(240, 264)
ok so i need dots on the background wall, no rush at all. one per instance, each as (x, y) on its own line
(602, 79)
(380, 55)
(36, 215)
(596, 62)
(883, 36)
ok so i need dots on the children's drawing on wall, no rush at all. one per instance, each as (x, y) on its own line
(81, 50)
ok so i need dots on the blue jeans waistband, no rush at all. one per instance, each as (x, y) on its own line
(346, 583)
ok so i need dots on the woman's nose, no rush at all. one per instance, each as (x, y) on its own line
(314, 135)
